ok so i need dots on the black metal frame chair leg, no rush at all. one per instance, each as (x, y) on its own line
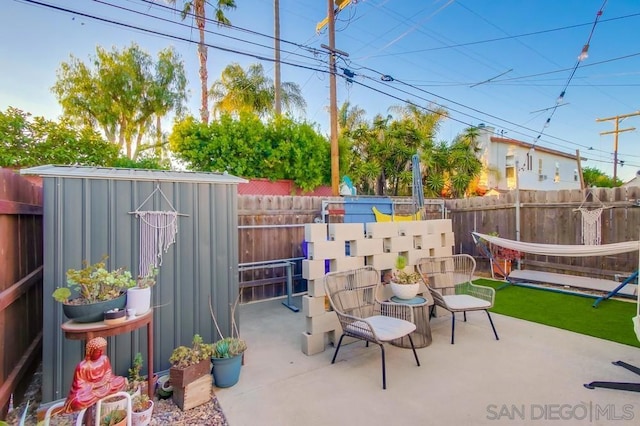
(495, 333)
(453, 325)
(335, 354)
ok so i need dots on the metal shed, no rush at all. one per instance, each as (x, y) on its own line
(87, 215)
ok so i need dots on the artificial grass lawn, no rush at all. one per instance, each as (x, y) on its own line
(611, 320)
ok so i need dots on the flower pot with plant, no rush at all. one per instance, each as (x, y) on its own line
(135, 384)
(405, 283)
(114, 418)
(226, 361)
(142, 409)
(190, 363)
(502, 259)
(227, 353)
(139, 296)
(96, 290)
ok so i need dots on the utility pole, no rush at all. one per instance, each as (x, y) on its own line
(618, 119)
(276, 31)
(333, 97)
(333, 103)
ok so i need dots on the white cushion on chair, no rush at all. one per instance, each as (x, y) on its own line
(386, 328)
(464, 302)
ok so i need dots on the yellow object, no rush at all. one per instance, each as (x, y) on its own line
(341, 4)
(383, 217)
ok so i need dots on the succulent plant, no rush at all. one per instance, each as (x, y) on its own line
(228, 347)
(94, 283)
(183, 356)
(400, 276)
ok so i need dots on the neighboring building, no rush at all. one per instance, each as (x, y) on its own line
(536, 167)
(633, 182)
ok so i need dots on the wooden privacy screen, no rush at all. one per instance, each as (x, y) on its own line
(20, 282)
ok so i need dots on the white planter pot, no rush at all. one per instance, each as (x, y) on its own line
(119, 403)
(142, 418)
(405, 291)
(139, 299)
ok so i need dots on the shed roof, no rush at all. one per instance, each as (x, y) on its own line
(114, 173)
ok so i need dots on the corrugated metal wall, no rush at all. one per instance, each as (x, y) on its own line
(86, 218)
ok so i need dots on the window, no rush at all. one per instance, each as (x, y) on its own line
(540, 166)
(556, 177)
(530, 160)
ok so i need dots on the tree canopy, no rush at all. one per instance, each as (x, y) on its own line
(595, 177)
(245, 146)
(239, 91)
(121, 92)
(27, 141)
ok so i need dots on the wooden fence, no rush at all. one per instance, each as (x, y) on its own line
(552, 217)
(20, 283)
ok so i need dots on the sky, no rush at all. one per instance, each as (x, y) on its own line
(502, 63)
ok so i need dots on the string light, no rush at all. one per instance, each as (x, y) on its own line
(584, 54)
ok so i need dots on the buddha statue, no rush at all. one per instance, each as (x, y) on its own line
(93, 378)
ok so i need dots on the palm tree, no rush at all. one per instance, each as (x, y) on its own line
(197, 9)
(239, 91)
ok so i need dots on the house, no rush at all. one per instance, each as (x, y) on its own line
(260, 186)
(536, 167)
(633, 182)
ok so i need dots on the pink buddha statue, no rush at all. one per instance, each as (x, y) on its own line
(93, 378)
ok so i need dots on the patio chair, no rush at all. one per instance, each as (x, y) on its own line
(352, 297)
(449, 281)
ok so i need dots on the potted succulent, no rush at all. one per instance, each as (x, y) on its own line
(227, 361)
(142, 408)
(404, 284)
(190, 363)
(139, 296)
(135, 383)
(227, 353)
(97, 290)
(114, 418)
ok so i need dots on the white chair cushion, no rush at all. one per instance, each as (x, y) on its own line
(386, 328)
(464, 302)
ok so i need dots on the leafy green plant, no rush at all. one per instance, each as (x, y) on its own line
(400, 276)
(183, 356)
(94, 283)
(135, 378)
(148, 280)
(228, 347)
(114, 417)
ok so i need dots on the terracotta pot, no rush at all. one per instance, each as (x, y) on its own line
(504, 264)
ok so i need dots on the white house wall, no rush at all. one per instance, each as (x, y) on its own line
(548, 170)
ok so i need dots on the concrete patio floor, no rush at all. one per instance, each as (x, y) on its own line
(533, 375)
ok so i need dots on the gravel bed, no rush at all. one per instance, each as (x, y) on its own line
(165, 412)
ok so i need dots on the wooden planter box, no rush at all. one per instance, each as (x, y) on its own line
(194, 394)
(181, 377)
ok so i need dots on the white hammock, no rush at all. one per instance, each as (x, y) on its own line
(570, 251)
(574, 250)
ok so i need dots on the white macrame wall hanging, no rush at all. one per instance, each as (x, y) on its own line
(591, 222)
(158, 230)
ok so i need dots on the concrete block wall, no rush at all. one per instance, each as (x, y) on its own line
(352, 245)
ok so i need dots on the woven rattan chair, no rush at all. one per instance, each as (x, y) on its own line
(449, 281)
(352, 297)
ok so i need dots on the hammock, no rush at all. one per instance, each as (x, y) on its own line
(562, 250)
(570, 251)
